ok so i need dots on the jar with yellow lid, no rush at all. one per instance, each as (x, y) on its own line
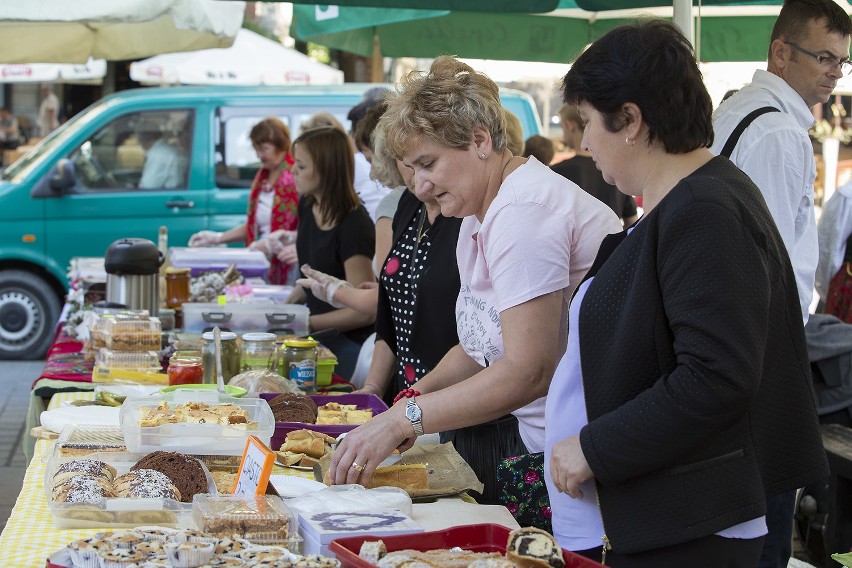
(300, 363)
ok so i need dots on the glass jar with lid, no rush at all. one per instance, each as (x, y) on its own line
(258, 352)
(177, 287)
(300, 363)
(185, 368)
(230, 356)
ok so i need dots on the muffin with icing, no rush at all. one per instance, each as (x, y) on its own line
(121, 558)
(85, 552)
(189, 553)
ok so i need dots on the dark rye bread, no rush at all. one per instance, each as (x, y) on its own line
(291, 396)
(185, 472)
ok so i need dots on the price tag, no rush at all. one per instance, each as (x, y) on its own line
(255, 468)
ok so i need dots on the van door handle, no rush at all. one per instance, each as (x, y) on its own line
(180, 204)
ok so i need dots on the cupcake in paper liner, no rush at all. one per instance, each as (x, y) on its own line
(151, 548)
(193, 535)
(84, 552)
(121, 558)
(266, 554)
(189, 553)
(156, 532)
(229, 562)
(124, 538)
(316, 561)
(232, 546)
(160, 561)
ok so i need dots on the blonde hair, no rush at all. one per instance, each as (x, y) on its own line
(569, 113)
(444, 106)
(320, 120)
(384, 168)
(514, 133)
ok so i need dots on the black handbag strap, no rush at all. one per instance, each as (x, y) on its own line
(738, 131)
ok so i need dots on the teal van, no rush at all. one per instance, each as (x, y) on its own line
(87, 183)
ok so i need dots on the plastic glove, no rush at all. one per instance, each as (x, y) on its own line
(260, 245)
(322, 285)
(205, 239)
(288, 254)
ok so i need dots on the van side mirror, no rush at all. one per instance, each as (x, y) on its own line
(64, 178)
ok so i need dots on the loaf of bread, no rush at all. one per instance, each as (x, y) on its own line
(530, 547)
(145, 483)
(408, 477)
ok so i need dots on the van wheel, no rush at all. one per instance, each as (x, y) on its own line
(29, 310)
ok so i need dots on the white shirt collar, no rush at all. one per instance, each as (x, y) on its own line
(791, 102)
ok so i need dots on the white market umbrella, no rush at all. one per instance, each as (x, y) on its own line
(92, 70)
(63, 31)
(251, 60)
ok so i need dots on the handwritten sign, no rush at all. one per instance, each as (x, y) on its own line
(255, 468)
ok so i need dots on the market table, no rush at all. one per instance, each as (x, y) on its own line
(30, 537)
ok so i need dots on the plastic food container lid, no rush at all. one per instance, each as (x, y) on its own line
(265, 519)
(133, 360)
(258, 337)
(224, 335)
(300, 343)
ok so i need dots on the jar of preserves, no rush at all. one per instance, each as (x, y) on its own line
(185, 368)
(230, 356)
(258, 352)
(300, 363)
(177, 287)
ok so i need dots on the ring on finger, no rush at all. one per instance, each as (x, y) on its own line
(358, 467)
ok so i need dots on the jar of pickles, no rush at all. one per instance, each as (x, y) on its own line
(300, 363)
(258, 352)
(185, 368)
(230, 356)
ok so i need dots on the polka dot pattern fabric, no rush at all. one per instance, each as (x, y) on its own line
(401, 277)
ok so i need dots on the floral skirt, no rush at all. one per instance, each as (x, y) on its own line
(839, 301)
(520, 480)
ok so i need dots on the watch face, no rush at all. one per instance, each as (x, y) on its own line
(412, 411)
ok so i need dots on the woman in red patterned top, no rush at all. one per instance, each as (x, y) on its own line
(272, 205)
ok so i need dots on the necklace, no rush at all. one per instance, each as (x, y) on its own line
(413, 275)
(421, 228)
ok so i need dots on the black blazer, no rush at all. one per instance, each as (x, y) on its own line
(434, 330)
(695, 369)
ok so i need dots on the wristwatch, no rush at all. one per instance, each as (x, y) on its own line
(414, 414)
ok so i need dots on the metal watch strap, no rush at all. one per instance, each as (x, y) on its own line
(416, 423)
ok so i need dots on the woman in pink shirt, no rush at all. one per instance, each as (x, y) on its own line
(527, 238)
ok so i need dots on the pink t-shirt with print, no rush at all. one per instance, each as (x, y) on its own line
(539, 235)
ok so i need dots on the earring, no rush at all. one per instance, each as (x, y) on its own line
(629, 142)
(482, 155)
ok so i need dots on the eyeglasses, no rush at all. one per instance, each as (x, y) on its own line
(830, 61)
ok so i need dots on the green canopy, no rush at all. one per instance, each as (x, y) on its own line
(726, 33)
(529, 6)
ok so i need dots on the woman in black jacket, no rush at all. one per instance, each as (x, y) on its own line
(684, 398)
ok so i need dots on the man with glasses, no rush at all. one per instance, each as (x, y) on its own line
(808, 53)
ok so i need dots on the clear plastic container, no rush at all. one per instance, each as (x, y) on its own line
(141, 361)
(117, 512)
(132, 333)
(281, 319)
(261, 519)
(249, 262)
(195, 438)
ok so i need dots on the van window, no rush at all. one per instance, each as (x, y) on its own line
(137, 151)
(236, 162)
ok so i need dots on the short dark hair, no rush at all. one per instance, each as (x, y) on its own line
(796, 13)
(651, 64)
(541, 148)
(331, 153)
(366, 126)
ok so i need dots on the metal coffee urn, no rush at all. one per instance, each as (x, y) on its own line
(133, 267)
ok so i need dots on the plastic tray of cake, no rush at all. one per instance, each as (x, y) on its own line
(250, 263)
(476, 538)
(361, 401)
(117, 511)
(200, 428)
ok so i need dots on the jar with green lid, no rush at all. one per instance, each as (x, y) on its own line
(300, 363)
(258, 352)
(230, 356)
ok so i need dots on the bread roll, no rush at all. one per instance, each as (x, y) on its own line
(530, 547)
(314, 447)
(408, 477)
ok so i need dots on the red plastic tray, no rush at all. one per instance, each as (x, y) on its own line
(478, 538)
(362, 401)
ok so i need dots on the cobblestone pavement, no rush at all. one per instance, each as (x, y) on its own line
(16, 377)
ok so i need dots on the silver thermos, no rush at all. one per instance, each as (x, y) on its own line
(133, 268)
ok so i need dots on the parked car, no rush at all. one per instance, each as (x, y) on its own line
(86, 184)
